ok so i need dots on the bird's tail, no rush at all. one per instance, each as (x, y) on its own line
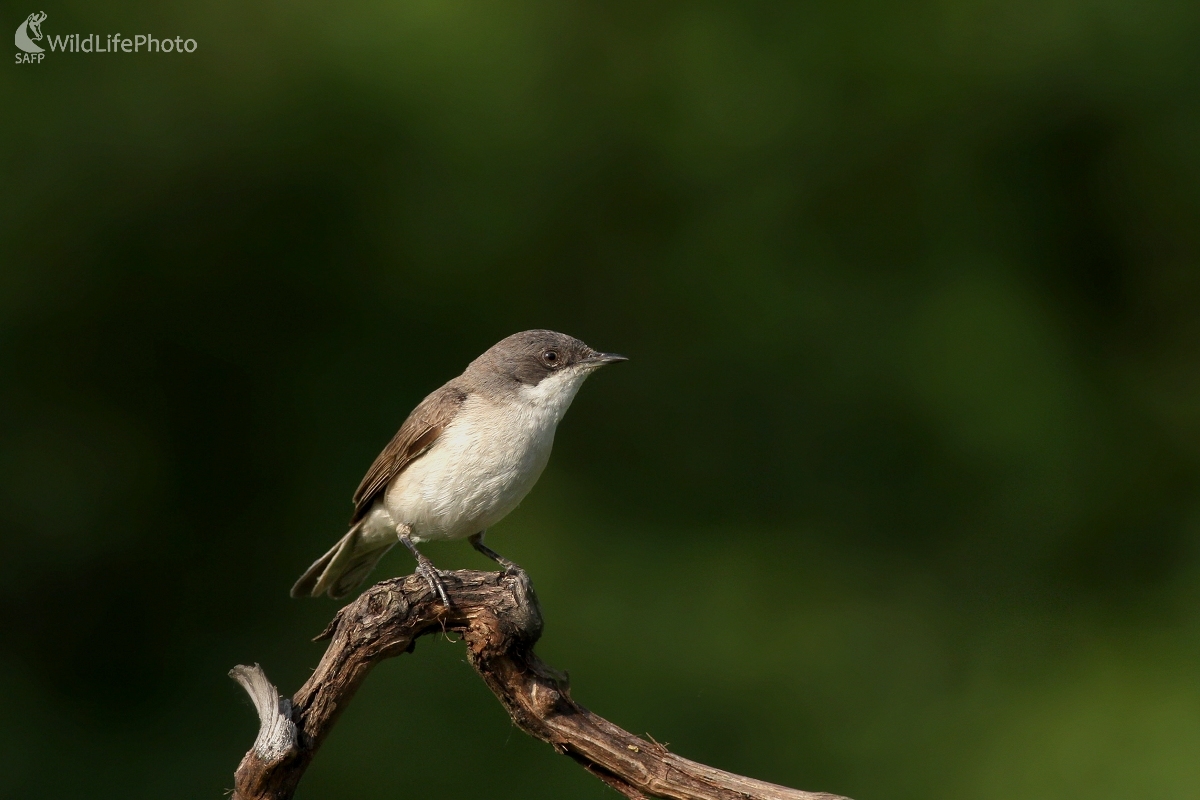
(343, 567)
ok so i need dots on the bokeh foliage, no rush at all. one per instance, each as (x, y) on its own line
(896, 498)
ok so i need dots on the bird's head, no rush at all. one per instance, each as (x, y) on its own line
(540, 364)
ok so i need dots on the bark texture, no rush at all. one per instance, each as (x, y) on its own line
(498, 616)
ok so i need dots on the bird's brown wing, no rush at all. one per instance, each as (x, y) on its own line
(415, 437)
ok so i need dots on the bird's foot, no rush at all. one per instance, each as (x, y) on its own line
(507, 567)
(425, 567)
(510, 567)
(433, 576)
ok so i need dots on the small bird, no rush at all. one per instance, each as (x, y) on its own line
(464, 458)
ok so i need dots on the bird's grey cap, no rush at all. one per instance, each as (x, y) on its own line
(529, 356)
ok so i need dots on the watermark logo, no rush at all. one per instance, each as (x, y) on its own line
(29, 33)
(32, 24)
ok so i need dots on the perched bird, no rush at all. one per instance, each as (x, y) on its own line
(464, 458)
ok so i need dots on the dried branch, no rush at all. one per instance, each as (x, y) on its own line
(499, 619)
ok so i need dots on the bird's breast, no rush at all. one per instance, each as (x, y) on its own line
(477, 470)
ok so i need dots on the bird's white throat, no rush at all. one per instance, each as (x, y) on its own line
(549, 400)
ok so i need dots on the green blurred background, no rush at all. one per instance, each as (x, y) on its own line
(897, 496)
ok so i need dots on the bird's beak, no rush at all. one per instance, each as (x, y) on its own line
(595, 359)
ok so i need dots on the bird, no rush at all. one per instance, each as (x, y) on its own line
(463, 459)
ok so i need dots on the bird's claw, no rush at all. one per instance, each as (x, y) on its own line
(425, 567)
(433, 576)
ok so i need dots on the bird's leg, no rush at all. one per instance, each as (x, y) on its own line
(477, 542)
(425, 567)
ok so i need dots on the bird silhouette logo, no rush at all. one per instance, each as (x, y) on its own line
(31, 25)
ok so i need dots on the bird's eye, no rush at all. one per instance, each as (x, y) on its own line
(551, 358)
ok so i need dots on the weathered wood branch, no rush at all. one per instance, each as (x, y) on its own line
(498, 617)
